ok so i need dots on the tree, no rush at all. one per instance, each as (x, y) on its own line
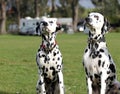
(110, 8)
(75, 7)
(18, 11)
(36, 8)
(2, 16)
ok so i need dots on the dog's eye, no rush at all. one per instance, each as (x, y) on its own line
(51, 22)
(97, 17)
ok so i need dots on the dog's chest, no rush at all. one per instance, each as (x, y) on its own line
(91, 64)
(50, 62)
(95, 61)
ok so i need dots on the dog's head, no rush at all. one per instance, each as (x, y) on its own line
(49, 25)
(97, 23)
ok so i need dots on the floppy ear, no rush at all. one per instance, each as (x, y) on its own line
(58, 27)
(106, 26)
(38, 28)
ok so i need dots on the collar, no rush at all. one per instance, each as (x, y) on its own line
(46, 49)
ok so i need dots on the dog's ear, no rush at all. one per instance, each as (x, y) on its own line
(38, 28)
(106, 26)
(58, 27)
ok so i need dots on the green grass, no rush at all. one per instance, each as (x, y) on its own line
(18, 69)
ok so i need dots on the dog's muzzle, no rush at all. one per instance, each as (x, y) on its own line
(44, 23)
(44, 27)
(88, 20)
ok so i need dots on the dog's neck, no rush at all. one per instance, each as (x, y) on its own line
(48, 41)
(96, 37)
(94, 40)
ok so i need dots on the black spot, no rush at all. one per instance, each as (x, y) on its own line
(111, 78)
(43, 55)
(48, 58)
(46, 69)
(51, 38)
(100, 56)
(53, 59)
(101, 50)
(52, 68)
(60, 82)
(96, 76)
(58, 66)
(86, 50)
(43, 68)
(89, 45)
(100, 73)
(39, 55)
(37, 89)
(43, 36)
(54, 54)
(94, 56)
(99, 63)
(38, 50)
(109, 57)
(40, 83)
(103, 64)
(58, 58)
(53, 73)
(112, 68)
(52, 44)
(86, 71)
(45, 59)
(91, 77)
(96, 45)
(48, 44)
(58, 52)
(45, 74)
(108, 72)
(98, 52)
(96, 37)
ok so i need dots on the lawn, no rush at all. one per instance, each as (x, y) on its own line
(18, 70)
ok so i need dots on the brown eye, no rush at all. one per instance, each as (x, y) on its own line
(96, 17)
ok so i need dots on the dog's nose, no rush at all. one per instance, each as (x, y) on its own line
(45, 23)
(88, 19)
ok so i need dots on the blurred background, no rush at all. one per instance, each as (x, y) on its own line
(18, 70)
(23, 16)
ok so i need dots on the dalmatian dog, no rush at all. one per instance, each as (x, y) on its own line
(97, 61)
(49, 59)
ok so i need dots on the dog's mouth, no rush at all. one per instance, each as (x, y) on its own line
(88, 22)
(45, 30)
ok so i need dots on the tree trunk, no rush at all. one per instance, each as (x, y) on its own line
(3, 18)
(18, 12)
(75, 7)
(36, 8)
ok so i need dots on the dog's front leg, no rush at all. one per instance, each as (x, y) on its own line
(89, 83)
(40, 88)
(103, 83)
(61, 82)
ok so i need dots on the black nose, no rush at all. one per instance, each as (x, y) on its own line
(45, 23)
(88, 19)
